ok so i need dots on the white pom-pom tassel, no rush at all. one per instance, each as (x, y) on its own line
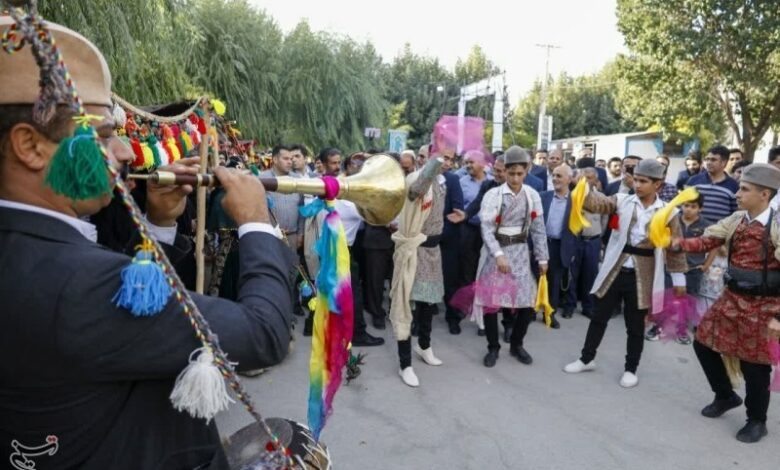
(200, 388)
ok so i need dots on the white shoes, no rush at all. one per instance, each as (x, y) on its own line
(409, 377)
(629, 380)
(578, 366)
(427, 355)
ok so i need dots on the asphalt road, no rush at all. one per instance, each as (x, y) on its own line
(465, 416)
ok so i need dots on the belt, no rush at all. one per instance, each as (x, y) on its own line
(594, 237)
(625, 270)
(636, 251)
(432, 241)
(506, 240)
(751, 282)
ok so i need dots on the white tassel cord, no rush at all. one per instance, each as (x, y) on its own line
(200, 388)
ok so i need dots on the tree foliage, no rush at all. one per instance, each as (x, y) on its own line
(707, 58)
(583, 105)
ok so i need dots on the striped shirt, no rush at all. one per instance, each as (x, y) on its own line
(719, 202)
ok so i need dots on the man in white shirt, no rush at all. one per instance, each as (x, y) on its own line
(102, 373)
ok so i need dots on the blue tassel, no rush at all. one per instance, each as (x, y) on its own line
(306, 290)
(145, 288)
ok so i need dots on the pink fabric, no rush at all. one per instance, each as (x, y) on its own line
(486, 291)
(677, 314)
(445, 134)
(332, 187)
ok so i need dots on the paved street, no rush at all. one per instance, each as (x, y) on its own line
(465, 416)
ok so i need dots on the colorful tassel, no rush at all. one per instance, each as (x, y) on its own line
(186, 142)
(219, 107)
(144, 290)
(148, 156)
(78, 169)
(152, 141)
(200, 389)
(165, 158)
(333, 313)
(138, 163)
(173, 149)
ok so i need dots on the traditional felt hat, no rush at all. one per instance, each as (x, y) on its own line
(515, 155)
(20, 74)
(650, 169)
(762, 174)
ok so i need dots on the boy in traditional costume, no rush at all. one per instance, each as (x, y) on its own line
(736, 326)
(510, 214)
(632, 272)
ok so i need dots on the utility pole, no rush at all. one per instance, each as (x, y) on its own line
(543, 104)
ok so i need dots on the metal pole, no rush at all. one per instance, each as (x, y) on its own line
(543, 101)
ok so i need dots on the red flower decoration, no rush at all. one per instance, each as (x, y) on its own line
(534, 215)
(614, 222)
(498, 219)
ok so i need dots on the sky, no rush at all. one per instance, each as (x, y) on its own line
(585, 31)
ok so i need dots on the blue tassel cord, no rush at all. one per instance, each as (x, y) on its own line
(145, 288)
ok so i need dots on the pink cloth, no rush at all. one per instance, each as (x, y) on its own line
(445, 134)
(677, 314)
(774, 356)
(486, 291)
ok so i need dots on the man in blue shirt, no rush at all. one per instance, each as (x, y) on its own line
(716, 186)
(471, 238)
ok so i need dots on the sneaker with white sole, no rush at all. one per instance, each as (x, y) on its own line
(628, 380)
(409, 377)
(427, 355)
(578, 366)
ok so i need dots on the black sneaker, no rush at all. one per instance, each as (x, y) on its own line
(752, 432)
(308, 325)
(366, 340)
(490, 359)
(718, 407)
(454, 328)
(522, 355)
(554, 322)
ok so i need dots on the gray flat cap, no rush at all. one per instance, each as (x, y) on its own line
(762, 174)
(516, 154)
(650, 169)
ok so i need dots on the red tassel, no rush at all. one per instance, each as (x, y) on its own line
(202, 126)
(614, 222)
(176, 131)
(139, 154)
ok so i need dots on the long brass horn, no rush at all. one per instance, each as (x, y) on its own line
(378, 190)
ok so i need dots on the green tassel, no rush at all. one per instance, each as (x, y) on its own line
(78, 169)
(253, 168)
(152, 141)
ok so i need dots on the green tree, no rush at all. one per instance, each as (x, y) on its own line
(141, 41)
(421, 85)
(234, 54)
(719, 56)
(579, 106)
(331, 89)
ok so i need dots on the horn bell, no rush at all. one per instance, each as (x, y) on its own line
(378, 190)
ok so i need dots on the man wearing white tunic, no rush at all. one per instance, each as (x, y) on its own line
(509, 215)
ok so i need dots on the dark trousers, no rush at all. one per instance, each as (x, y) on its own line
(359, 322)
(423, 315)
(450, 263)
(583, 270)
(557, 276)
(623, 289)
(470, 243)
(757, 377)
(379, 267)
(522, 318)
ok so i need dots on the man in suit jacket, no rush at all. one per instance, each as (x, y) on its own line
(631, 272)
(624, 185)
(544, 173)
(450, 241)
(561, 243)
(91, 374)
